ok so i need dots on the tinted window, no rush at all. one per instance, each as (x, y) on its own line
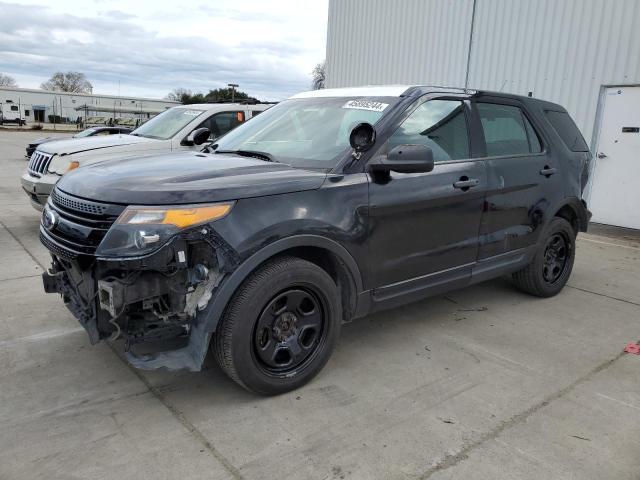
(227, 121)
(223, 122)
(507, 131)
(567, 130)
(85, 133)
(439, 125)
(534, 141)
(14, 108)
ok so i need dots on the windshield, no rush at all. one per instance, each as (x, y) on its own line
(309, 132)
(85, 133)
(168, 123)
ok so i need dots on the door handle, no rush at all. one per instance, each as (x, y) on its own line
(547, 171)
(465, 183)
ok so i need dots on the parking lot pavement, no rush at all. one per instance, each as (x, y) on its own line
(483, 383)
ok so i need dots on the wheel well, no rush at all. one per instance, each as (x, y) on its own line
(569, 214)
(337, 270)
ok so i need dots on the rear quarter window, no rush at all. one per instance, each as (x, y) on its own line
(566, 128)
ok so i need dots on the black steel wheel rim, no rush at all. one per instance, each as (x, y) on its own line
(290, 331)
(556, 257)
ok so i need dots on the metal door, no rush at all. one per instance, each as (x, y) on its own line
(615, 196)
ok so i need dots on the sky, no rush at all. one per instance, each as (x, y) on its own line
(148, 48)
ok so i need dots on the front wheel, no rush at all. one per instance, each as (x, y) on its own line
(551, 266)
(280, 327)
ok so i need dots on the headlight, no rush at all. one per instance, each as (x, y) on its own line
(140, 230)
(62, 164)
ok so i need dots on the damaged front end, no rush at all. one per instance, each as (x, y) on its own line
(143, 274)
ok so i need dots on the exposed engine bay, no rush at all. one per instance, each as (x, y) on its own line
(147, 300)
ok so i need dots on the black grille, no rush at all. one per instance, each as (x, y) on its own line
(57, 249)
(68, 202)
(80, 224)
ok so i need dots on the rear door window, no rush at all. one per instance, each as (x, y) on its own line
(507, 131)
(564, 125)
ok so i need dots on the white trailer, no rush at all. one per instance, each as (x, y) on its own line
(11, 112)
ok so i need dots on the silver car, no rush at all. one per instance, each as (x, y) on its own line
(172, 130)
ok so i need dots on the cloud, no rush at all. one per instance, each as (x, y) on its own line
(119, 48)
(117, 15)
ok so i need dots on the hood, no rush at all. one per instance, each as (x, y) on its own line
(186, 177)
(76, 145)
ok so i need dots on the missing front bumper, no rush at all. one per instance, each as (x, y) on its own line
(57, 281)
(159, 298)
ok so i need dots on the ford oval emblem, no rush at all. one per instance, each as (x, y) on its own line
(49, 219)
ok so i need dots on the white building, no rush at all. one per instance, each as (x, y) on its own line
(39, 106)
(582, 54)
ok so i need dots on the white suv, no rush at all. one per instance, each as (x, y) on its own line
(178, 128)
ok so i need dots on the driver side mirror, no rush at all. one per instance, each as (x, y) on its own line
(405, 159)
(197, 137)
(362, 137)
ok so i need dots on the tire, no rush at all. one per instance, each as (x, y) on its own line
(551, 266)
(280, 327)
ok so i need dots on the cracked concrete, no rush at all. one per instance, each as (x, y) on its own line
(452, 460)
(485, 383)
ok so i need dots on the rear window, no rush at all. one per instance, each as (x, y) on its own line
(567, 130)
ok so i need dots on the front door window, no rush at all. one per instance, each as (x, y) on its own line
(439, 125)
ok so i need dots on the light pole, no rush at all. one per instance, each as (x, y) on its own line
(233, 91)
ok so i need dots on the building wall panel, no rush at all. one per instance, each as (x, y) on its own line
(561, 50)
(409, 41)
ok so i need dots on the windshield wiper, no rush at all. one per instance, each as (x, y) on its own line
(267, 157)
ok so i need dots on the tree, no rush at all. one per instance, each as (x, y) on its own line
(318, 76)
(7, 81)
(74, 82)
(223, 95)
(218, 95)
(179, 95)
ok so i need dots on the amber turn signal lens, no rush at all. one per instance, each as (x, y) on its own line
(72, 166)
(181, 217)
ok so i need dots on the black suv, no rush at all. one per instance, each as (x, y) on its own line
(329, 206)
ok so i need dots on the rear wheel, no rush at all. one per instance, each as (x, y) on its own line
(551, 266)
(280, 327)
